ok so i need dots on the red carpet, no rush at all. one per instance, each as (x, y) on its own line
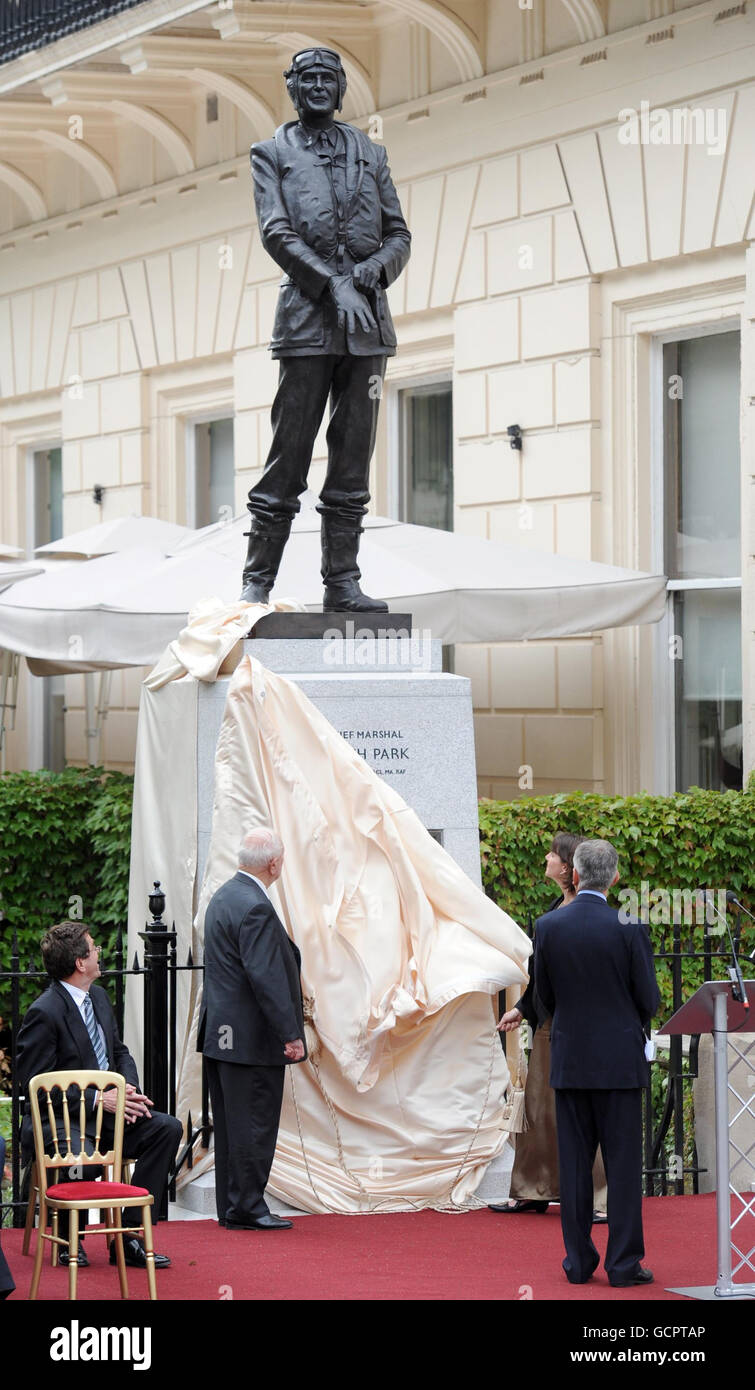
(416, 1255)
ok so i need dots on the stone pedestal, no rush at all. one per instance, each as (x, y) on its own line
(387, 695)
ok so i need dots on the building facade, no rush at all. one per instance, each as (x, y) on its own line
(578, 177)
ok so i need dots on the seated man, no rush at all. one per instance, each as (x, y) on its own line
(72, 1027)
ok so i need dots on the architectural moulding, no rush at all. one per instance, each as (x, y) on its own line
(24, 189)
(80, 96)
(121, 29)
(257, 112)
(168, 136)
(588, 18)
(93, 164)
(449, 29)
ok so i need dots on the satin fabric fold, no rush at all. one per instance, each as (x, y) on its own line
(401, 1107)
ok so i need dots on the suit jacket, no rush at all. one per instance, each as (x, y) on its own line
(302, 230)
(251, 1002)
(53, 1037)
(595, 976)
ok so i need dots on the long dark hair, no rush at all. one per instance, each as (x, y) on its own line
(564, 846)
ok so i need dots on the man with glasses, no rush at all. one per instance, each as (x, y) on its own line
(72, 1027)
(329, 215)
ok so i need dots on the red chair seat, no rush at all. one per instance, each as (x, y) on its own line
(98, 1193)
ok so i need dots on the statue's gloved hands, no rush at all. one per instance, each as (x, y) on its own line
(352, 306)
(367, 274)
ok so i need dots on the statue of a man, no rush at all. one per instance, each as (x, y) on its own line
(329, 214)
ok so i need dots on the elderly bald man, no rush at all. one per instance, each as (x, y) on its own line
(251, 1028)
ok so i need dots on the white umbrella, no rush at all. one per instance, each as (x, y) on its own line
(463, 588)
(62, 622)
(123, 610)
(123, 533)
(11, 571)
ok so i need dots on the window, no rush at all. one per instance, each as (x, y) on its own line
(426, 456)
(702, 555)
(45, 524)
(210, 488)
(46, 497)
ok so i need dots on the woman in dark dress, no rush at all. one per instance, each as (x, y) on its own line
(534, 1178)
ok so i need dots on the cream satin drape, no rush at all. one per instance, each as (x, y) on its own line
(401, 1105)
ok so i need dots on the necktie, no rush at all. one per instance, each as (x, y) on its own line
(94, 1033)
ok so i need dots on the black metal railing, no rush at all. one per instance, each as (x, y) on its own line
(670, 1151)
(160, 970)
(28, 24)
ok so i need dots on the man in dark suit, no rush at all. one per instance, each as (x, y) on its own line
(595, 976)
(329, 215)
(72, 1026)
(251, 1027)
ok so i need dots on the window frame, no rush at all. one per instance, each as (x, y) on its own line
(397, 488)
(665, 673)
(30, 518)
(202, 417)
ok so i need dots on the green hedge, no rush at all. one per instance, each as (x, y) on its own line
(64, 851)
(694, 839)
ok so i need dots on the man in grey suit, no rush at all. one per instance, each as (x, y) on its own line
(251, 1027)
(329, 215)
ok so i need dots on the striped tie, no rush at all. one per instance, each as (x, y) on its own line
(94, 1033)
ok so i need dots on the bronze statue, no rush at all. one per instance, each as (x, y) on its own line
(328, 213)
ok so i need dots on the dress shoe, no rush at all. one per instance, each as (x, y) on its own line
(64, 1258)
(520, 1205)
(136, 1256)
(263, 1223)
(640, 1276)
(599, 1218)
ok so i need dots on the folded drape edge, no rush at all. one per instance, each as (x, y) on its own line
(488, 984)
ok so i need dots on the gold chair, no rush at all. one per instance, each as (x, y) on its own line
(74, 1197)
(31, 1207)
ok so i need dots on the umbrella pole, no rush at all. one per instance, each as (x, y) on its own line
(91, 731)
(8, 699)
(102, 708)
(3, 706)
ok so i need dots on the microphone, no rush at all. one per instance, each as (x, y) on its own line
(738, 991)
(732, 898)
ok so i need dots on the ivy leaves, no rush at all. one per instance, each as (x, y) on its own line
(64, 852)
(695, 839)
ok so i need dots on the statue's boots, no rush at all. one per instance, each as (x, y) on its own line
(267, 541)
(340, 572)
